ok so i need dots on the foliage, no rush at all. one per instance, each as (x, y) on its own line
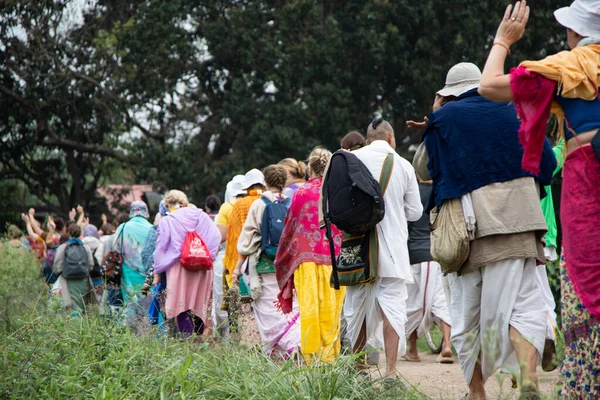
(88, 358)
(187, 94)
(47, 355)
(21, 287)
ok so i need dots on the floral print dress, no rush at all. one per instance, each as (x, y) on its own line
(580, 371)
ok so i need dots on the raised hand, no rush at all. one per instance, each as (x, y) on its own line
(417, 125)
(79, 209)
(513, 23)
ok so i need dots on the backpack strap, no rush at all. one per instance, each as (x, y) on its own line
(328, 234)
(386, 172)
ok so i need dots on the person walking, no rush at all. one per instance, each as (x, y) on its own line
(496, 286)
(378, 313)
(566, 86)
(426, 301)
(303, 267)
(279, 332)
(72, 265)
(188, 292)
(130, 239)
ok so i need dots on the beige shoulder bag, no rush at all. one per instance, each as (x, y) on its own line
(450, 244)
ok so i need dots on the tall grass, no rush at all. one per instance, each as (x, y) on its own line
(21, 287)
(45, 354)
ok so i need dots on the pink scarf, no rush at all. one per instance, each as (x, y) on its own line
(533, 95)
(302, 240)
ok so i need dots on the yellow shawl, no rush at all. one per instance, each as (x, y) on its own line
(577, 73)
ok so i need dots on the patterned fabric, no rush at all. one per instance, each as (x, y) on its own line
(234, 229)
(302, 240)
(138, 209)
(580, 370)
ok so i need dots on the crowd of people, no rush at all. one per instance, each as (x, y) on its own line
(481, 177)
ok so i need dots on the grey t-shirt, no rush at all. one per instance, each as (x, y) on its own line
(419, 242)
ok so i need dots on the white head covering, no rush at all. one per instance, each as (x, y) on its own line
(461, 78)
(253, 177)
(234, 188)
(582, 16)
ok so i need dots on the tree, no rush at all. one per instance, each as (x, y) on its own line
(186, 94)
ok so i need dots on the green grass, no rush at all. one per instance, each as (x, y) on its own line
(45, 354)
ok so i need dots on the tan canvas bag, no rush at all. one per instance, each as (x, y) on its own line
(450, 244)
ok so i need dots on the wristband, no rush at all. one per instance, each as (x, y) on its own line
(503, 45)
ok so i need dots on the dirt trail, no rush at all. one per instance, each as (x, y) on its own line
(445, 381)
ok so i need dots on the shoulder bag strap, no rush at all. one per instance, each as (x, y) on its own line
(386, 172)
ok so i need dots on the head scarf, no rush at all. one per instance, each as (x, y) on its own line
(138, 209)
(92, 231)
(162, 208)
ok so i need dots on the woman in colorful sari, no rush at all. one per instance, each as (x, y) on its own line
(303, 264)
(130, 239)
(279, 332)
(565, 85)
(188, 292)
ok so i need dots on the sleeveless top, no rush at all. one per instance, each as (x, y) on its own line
(581, 115)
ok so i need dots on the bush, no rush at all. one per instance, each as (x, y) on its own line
(22, 290)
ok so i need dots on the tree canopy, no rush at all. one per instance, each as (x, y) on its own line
(185, 94)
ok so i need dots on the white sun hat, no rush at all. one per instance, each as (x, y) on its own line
(461, 78)
(234, 188)
(582, 16)
(253, 177)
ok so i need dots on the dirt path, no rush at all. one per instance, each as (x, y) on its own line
(445, 381)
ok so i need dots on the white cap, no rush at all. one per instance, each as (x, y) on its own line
(461, 78)
(253, 177)
(581, 16)
(234, 188)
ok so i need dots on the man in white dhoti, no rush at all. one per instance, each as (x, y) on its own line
(426, 301)
(498, 312)
(378, 312)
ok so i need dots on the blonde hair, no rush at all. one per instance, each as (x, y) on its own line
(275, 176)
(318, 159)
(296, 168)
(174, 198)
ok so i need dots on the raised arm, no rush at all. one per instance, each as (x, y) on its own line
(495, 84)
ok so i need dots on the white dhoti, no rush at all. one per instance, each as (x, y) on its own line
(426, 301)
(542, 279)
(368, 302)
(219, 317)
(485, 303)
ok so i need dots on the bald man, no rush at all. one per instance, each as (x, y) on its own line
(378, 312)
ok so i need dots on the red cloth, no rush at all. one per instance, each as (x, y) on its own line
(302, 240)
(580, 217)
(532, 95)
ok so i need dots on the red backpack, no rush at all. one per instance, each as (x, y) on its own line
(195, 255)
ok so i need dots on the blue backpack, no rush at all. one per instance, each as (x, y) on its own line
(272, 225)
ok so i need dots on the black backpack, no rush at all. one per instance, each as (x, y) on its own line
(353, 202)
(76, 263)
(352, 198)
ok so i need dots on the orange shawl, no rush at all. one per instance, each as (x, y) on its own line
(234, 229)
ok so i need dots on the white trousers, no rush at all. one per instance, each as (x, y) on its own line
(426, 301)
(219, 317)
(485, 303)
(369, 302)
